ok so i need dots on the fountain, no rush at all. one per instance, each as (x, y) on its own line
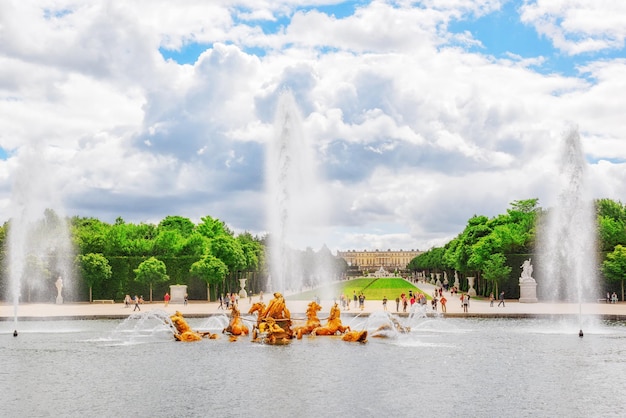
(39, 247)
(296, 208)
(273, 322)
(567, 240)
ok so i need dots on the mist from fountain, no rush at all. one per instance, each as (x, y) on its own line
(39, 246)
(296, 207)
(567, 235)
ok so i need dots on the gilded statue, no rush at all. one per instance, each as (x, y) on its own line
(333, 325)
(312, 320)
(184, 332)
(236, 326)
(273, 321)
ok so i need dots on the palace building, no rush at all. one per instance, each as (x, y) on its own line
(371, 261)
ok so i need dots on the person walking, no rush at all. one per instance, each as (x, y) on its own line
(501, 300)
(443, 301)
(385, 303)
(136, 304)
(398, 304)
(465, 299)
(166, 299)
(491, 299)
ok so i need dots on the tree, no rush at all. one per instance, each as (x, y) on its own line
(168, 243)
(252, 250)
(614, 267)
(89, 235)
(210, 269)
(611, 232)
(211, 228)
(195, 244)
(229, 250)
(117, 239)
(495, 270)
(151, 271)
(93, 268)
(184, 226)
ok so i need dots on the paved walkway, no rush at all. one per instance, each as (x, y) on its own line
(478, 308)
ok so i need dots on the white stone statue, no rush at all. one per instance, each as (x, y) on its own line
(59, 285)
(527, 272)
(527, 285)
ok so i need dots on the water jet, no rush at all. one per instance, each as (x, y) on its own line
(567, 236)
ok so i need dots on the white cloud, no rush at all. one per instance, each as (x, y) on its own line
(413, 135)
(578, 26)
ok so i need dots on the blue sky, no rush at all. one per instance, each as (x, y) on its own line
(418, 114)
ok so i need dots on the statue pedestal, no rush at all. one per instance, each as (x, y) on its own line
(59, 300)
(471, 291)
(177, 293)
(528, 291)
(242, 293)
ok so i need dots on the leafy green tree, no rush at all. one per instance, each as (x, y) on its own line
(210, 269)
(183, 226)
(151, 271)
(93, 268)
(495, 270)
(211, 228)
(614, 267)
(611, 232)
(611, 209)
(117, 242)
(252, 250)
(195, 244)
(477, 227)
(89, 235)
(229, 250)
(168, 243)
(140, 239)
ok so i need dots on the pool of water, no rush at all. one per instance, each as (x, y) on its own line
(443, 367)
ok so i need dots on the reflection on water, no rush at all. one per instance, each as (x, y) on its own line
(442, 367)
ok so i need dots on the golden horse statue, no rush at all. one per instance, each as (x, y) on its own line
(259, 308)
(236, 326)
(312, 320)
(333, 325)
(184, 332)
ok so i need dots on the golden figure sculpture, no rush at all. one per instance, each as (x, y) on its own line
(333, 324)
(355, 336)
(273, 321)
(184, 332)
(236, 326)
(277, 308)
(312, 321)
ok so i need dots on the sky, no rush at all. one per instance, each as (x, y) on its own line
(418, 114)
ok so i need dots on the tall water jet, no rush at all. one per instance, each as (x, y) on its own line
(295, 207)
(39, 249)
(567, 250)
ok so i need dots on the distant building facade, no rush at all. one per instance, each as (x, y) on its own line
(372, 261)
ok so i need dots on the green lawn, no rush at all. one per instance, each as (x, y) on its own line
(372, 288)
